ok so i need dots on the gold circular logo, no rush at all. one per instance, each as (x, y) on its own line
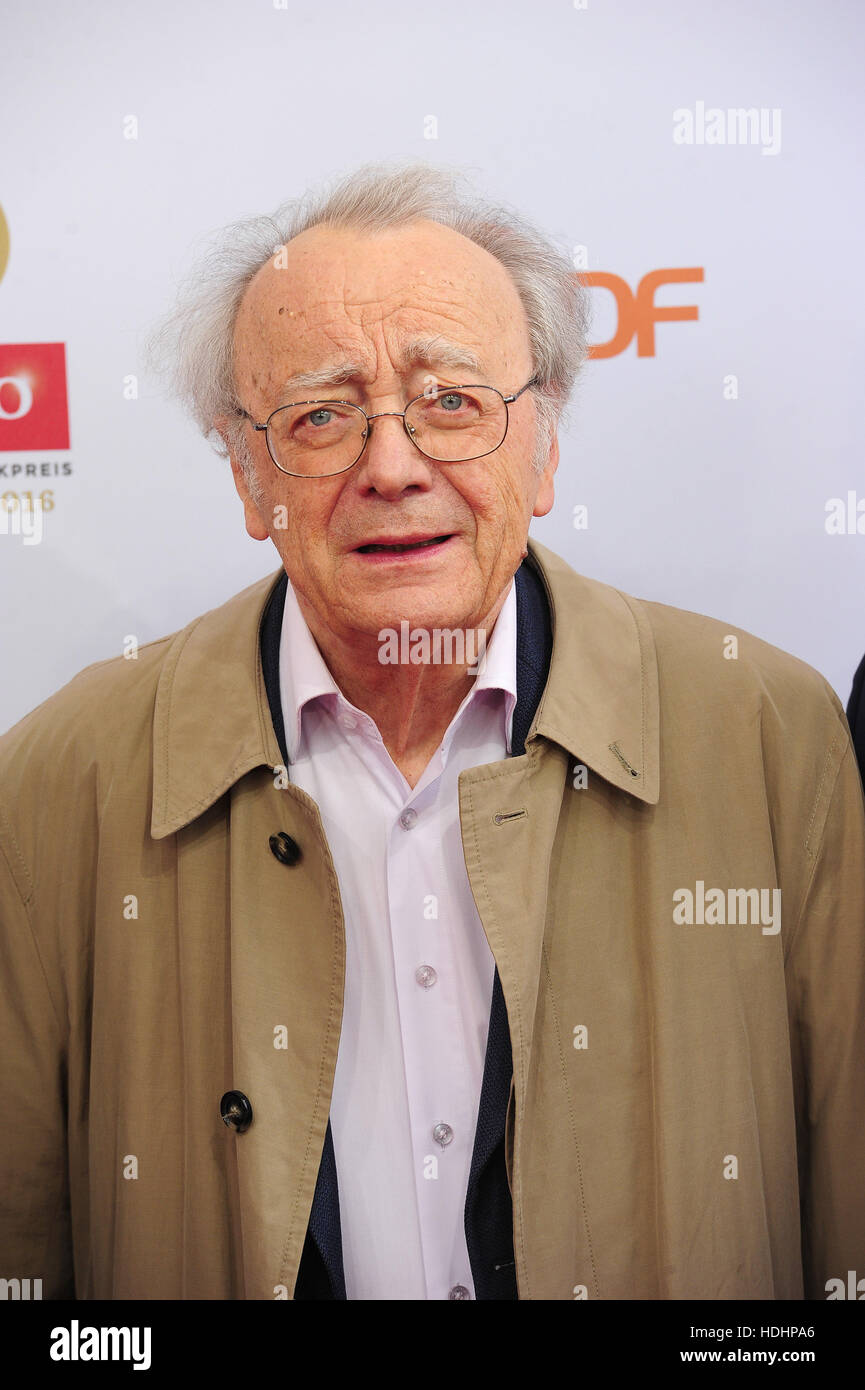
(4, 243)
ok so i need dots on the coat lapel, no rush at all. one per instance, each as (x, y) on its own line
(598, 706)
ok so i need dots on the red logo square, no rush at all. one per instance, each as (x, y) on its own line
(34, 411)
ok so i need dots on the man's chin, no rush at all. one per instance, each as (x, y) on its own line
(415, 615)
(389, 597)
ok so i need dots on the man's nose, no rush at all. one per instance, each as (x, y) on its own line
(390, 462)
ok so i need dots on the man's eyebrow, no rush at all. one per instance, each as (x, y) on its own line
(431, 350)
(330, 374)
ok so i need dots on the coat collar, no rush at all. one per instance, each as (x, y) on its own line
(212, 722)
(601, 699)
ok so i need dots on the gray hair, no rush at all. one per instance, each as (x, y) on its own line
(193, 345)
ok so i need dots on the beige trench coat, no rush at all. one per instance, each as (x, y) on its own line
(679, 1088)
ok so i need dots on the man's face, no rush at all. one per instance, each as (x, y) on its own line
(345, 296)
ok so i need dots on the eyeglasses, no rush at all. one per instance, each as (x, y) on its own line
(450, 424)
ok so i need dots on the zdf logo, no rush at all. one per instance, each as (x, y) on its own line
(638, 313)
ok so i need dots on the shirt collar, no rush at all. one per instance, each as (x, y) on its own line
(212, 721)
(304, 675)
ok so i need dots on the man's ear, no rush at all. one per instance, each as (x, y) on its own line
(252, 516)
(546, 492)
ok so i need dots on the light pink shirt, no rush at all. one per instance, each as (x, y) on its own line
(419, 970)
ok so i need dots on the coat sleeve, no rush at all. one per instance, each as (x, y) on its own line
(35, 1230)
(826, 994)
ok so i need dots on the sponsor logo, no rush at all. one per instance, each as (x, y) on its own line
(638, 313)
(34, 411)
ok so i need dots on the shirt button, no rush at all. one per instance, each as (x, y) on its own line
(348, 721)
(426, 976)
(443, 1134)
(408, 818)
(459, 1291)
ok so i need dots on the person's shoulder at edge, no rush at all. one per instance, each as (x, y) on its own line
(856, 711)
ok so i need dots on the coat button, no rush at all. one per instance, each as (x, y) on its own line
(286, 850)
(236, 1111)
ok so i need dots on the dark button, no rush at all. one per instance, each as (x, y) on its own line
(286, 850)
(236, 1111)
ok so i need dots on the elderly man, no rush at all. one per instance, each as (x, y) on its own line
(335, 970)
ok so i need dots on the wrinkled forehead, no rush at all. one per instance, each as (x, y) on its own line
(367, 293)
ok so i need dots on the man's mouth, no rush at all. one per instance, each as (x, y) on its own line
(398, 547)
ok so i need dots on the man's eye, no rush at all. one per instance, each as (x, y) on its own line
(451, 400)
(322, 416)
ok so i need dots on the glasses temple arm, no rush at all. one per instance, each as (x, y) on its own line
(533, 382)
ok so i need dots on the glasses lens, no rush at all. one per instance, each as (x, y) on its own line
(316, 438)
(455, 424)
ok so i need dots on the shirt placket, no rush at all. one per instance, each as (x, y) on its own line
(442, 1111)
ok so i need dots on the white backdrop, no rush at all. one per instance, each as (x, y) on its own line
(696, 499)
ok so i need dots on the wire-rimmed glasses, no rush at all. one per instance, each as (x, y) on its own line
(450, 424)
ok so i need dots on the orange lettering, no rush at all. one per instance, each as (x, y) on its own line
(638, 314)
